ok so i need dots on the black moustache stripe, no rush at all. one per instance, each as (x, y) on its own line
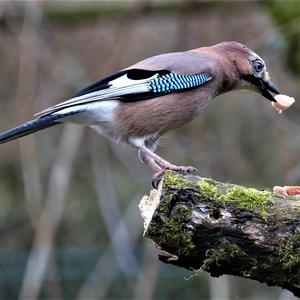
(252, 79)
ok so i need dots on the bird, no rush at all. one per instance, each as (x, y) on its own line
(140, 103)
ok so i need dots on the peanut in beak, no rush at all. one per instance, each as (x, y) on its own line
(283, 102)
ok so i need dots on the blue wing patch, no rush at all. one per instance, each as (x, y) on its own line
(163, 82)
(173, 82)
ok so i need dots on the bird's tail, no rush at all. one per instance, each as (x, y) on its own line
(29, 127)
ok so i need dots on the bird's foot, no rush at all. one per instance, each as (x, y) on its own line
(180, 169)
(157, 178)
(184, 169)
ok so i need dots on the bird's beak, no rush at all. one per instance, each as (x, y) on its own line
(266, 86)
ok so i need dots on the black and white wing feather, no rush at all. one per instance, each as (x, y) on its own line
(132, 85)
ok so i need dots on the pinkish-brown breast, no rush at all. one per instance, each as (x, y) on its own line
(161, 114)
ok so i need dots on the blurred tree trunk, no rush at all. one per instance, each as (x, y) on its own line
(201, 224)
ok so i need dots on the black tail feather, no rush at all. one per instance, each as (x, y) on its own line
(29, 127)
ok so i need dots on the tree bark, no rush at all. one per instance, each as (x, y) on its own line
(204, 225)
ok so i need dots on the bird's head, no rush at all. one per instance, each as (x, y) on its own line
(245, 69)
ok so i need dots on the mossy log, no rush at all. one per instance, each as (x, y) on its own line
(204, 225)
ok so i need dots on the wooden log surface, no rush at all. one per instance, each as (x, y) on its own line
(204, 225)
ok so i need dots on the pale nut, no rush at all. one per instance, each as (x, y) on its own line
(287, 190)
(283, 102)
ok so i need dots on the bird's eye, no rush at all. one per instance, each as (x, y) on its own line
(258, 66)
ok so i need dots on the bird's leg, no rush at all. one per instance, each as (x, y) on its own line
(148, 161)
(152, 165)
(163, 164)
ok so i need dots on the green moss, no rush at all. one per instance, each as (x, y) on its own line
(174, 179)
(289, 252)
(248, 273)
(249, 198)
(282, 269)
(244, 197)
(216, 257)
(171, 228)
(287, 263)
(173, 232)
(208, 187)
(227, 252)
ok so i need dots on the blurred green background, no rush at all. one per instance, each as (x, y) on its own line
(69, 221)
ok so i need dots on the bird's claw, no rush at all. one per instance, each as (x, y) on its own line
(187, 170)
(181, 169)
(157, 178)
(155, 182)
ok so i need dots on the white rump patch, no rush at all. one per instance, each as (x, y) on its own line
(91, 114)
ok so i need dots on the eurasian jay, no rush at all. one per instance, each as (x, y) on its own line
(140, 103)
